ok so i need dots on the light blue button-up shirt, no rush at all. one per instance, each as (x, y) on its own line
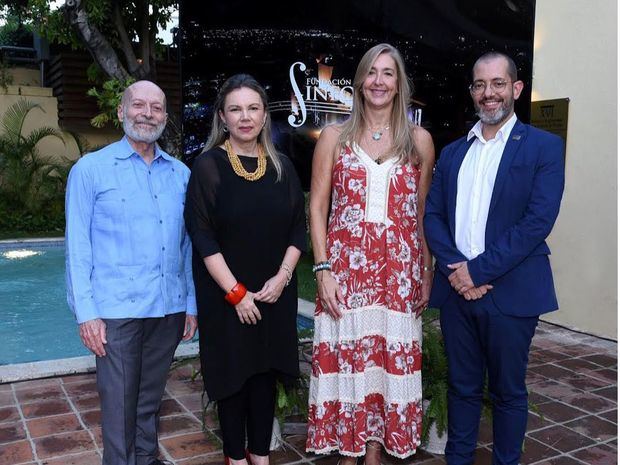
(128, 254)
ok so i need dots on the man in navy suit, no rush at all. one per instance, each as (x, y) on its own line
(493, 201)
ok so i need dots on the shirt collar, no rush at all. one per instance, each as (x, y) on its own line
(125, 150)
(502, 133)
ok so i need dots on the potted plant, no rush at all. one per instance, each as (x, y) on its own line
(434, 385)
(292, 400)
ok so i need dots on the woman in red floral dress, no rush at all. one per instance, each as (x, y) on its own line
(374, 270)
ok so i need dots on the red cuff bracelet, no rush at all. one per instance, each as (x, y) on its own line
(236, 294)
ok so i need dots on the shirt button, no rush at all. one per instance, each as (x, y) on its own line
(133, 301)
(160, 221)
(149, 171)
(172, 169)
(122, 200)
(163, 248)
(115, 163)
(162, 275)
(155, 196)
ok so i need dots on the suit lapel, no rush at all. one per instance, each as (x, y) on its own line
(517, 136)
(453, 181)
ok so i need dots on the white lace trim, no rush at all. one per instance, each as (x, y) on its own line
(368, 321)
(331, 449)
(377, 186)
(355, 387)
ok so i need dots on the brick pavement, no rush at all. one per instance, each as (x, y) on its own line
(572, 379)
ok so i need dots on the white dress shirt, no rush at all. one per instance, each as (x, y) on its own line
(475, 187)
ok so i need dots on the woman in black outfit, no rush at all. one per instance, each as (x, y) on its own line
(245, 215)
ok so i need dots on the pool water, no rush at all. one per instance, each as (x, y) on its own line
(35, 320)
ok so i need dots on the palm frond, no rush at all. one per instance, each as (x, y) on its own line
(14, 117)
(36, 135)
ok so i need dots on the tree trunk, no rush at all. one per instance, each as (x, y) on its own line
(99, 48)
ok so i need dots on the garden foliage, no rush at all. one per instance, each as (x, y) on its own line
(32, 184)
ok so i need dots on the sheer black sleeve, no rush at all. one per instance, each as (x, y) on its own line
(200, 203)
(298, 230)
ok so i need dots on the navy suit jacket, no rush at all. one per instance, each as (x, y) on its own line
(524, 206)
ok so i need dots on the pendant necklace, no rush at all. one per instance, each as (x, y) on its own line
(376, 135)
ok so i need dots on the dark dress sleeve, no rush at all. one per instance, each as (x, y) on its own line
(200, 203)
(298, 230)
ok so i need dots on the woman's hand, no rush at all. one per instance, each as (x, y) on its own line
(247, 309)
(329, 293)
(273, 288)
(425, 292)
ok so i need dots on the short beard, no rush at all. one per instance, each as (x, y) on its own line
(500, 115)
(146, 136)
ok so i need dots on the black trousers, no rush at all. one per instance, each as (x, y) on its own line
(249, 409)
(131, 379)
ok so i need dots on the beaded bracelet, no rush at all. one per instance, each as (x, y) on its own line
(289, 273)
(325, 265)
(236, 294)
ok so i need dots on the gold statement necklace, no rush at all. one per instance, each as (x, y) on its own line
(238, 167)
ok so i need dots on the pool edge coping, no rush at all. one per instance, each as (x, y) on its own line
(86, 364)
(32, 242)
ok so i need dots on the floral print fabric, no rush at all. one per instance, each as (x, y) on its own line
(365, 381)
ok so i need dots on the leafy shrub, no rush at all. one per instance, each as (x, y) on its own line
(32, 185)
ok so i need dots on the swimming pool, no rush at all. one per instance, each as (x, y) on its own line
(35, 321)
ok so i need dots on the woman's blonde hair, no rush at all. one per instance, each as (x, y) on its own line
(218, 134)
(401, 126)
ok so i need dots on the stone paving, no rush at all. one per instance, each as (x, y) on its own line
(572, 379)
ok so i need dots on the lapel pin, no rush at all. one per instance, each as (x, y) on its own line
(516, 137)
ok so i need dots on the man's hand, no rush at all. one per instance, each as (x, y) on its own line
(476, 293)
(460, 279)
(93, 336)
(191, 323)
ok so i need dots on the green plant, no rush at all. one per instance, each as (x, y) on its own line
(434, 376)
(292, 400)
(306, 284)
(31, 184)
(108, 100)
(13, 31)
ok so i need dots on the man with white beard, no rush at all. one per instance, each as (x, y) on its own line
(129, 274)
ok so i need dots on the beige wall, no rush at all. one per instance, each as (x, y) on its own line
(575, 56)
(47, 115)
(25, 76)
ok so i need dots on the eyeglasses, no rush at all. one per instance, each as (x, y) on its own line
(479, 87)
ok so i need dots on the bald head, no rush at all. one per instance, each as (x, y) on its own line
(143, 87)
(143, 112)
